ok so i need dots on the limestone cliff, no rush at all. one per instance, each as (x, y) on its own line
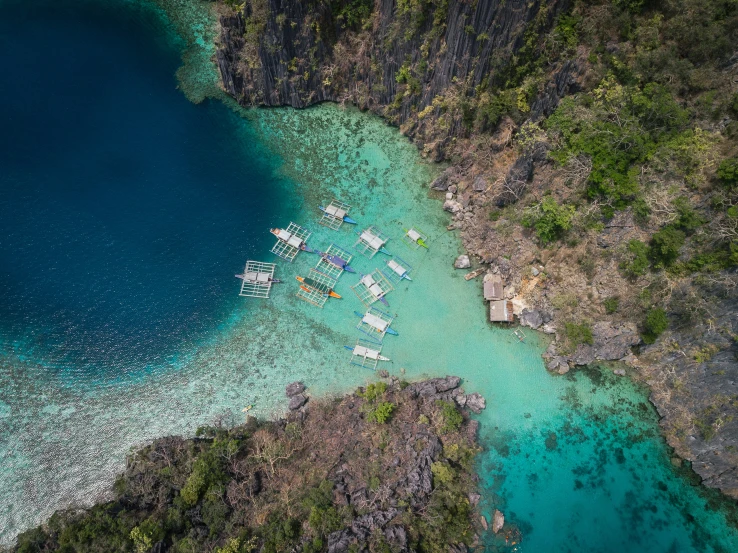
(407, 61)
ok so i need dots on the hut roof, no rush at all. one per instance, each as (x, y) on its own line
(493, 287)
(501, 311)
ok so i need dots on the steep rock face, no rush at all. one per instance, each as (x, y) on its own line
(303, 52)
(694, 382)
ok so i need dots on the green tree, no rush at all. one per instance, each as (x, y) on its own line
(452, 419)
(373, 392)
(728, 172)
(655, 324)
(637, 263)
(665, 246)
(382, 412)
(442, 473)
(611, 304)
(549, 219)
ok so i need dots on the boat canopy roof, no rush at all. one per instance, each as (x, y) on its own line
(376, 290)
(396, 267)
(413, 234)
(375, 322)
(374, 241)
(366, 352)
(335, 211)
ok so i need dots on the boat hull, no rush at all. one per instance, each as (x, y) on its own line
(309, 285)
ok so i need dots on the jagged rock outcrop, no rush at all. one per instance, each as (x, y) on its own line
(294, 388)
(303, 52)
(462, 262)
(498, 521)
(564, 82)
(297, 401)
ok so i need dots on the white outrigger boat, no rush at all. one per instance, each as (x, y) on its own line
(290, 239)
(371, 241)
(366, 355)
(398, 269)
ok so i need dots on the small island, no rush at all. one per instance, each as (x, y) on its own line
(389, 467)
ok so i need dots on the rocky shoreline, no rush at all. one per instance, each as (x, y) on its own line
(391, 465)
(415, 72)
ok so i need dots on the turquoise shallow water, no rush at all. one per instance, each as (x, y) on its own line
(576, 462)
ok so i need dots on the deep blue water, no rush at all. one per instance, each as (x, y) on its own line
(125, 210)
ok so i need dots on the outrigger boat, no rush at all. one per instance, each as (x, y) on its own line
(376, 323)
(372, 241)
(337, 261)
(366, 353)
(291, 240)
(415, 236)
(311, 284)
(374, 288)
(398, 269)
(338, 213)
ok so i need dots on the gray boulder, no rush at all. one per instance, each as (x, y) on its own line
(558, 364)
(452, 206)
(480, 184)
(434, 386)
(584, 355)
(614, 340)
(339, 541)
(297, 401)
(476, 402)
(396, 535)
(442, 182)
(531, 317)
(462, 262)
(294, 388)
(365, 525)
(498, 521)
